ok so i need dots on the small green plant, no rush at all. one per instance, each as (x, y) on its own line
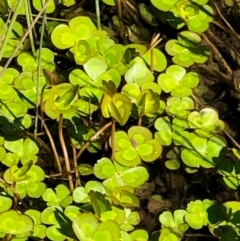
(186, 50)
(39, 230)
(206, 122)
(116, 105)
(20, 150)
(168, 132)
(179, 107)
(203, 152)
(88, 226)
(174, 225)
(177, 81)
(26, 180)
(115, 175)
(15, 224)
(195, 14)
(229, 169)
(136, 145)
(60, 198)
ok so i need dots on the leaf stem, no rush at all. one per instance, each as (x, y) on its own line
(65, 154)
(53, 146)
(77, 174)
(113, 129)
(98, 14)
(28, 14)
(38, 92)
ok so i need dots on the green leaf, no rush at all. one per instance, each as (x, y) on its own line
(3, 7)
(148, 102)
(120, 108)
(135, 176)
(68, 97)
(169, 234)
(15, 35)
(173, 164)
(47, 59)
(206, 122)
(27, 62)
(53, 233)
(150, 151)
(164, 5)
(125, 197)
(99, 202)
(186, 50)
(104, 168)
(236, 152)
(104, 44)
(174, 222)
(158, 61)
(131, 90)
(14, 146)
(147, 14)
(48, 217)
(80, 28)
(139, 134)
(164, 133)
(95, 67)
(5, 199)
(61, 198)
(79, 77)
(128, 157)
(109, 88)
(132, 218)
(110, 75)
(13, 222)
(139, 73)
(38, 5)
(166, 219)
(197, 215)
(71, 212)
(139, 235)
(22, 171)
(113, 55)
(80, 195)
(85, 225)
(109, 2)
(95, 186)
(84, 169)
(39, 230)
(30, 184)
(81, 51)
(179, 107)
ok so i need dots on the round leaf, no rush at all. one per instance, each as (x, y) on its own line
(12, 222)
(158, 61)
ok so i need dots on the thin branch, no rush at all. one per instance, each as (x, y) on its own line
(200, 235)
(218, 54)
(226, 22)
(100, 131)
(232, 139)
